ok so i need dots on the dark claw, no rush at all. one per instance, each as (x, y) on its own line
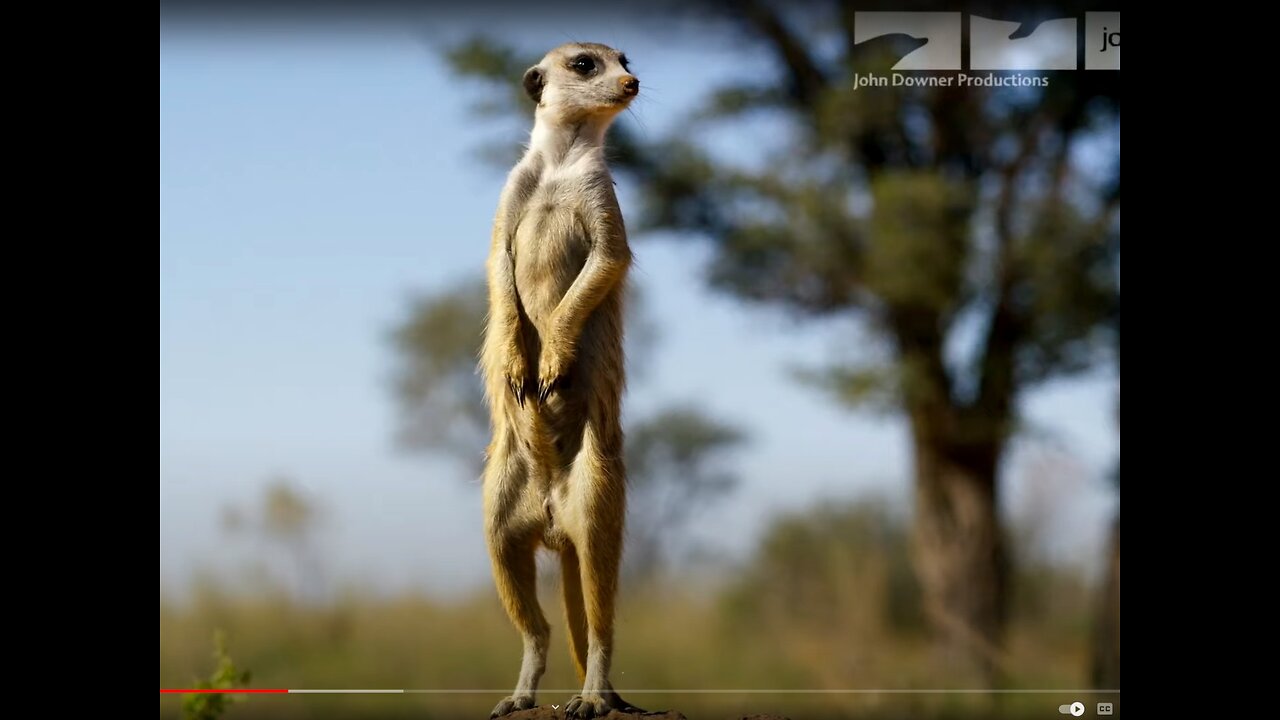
(517, 389)
(545, 391)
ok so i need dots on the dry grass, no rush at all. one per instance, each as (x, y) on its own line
(826, 603)
(667, 641)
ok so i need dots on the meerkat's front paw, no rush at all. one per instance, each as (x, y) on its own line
(511, 704)
(551, 371)
(516, 371)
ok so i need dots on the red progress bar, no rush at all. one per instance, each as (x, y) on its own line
(232, 691)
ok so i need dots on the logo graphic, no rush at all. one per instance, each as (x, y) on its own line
(1102, 41)
(939, 30)
(997, 45)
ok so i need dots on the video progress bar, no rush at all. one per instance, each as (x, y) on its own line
(634, 691)
(279, 691)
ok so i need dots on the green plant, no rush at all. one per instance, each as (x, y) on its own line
(209, 706)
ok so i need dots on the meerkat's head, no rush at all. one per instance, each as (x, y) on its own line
(579, 81)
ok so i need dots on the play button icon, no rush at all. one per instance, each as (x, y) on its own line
(1075, 709)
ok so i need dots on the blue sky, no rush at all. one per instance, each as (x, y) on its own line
(311, 182)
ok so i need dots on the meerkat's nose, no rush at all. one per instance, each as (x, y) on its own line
(631, 85)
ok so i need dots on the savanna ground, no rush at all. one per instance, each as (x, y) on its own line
(827, 602)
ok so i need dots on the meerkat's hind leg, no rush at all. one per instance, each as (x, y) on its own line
(599, 553)
(515, 570)
(575, 614)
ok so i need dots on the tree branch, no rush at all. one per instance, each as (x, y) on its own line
(925, 385)
(997, 380)
(805, 79)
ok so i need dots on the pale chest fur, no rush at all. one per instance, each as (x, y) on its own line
(552, 239)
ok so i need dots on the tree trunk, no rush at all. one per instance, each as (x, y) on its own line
(958, 546)
(1106, 644)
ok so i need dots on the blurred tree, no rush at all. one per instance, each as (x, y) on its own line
(1105, 670)
(829, 588)
(440, 395)
(974, 229)
(830, 559)
(674, 458)
(1105, 663)
(288, 518)
(674, 467)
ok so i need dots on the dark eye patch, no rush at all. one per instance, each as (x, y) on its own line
(583, 64)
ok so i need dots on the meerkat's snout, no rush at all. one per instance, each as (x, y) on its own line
(630, 85)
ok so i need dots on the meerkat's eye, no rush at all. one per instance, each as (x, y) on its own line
(625, 63)
(583, 64)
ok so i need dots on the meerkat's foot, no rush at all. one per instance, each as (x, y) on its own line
(597, 705)
(585, 707)
(511, 704)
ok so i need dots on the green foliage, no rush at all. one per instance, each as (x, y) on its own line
(736, 100)
(287, 518)
(918, 230)
(681, 437)
(441, 398)
(1069, 286)
(846, 564)
(675, 466)
(484, 60)
(874, 387)
(210, 706)
(501, 67)
(287, 514)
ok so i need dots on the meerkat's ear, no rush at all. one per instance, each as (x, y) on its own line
(533, 83)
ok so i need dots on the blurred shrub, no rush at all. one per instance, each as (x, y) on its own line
(209, 706)
(837, 566)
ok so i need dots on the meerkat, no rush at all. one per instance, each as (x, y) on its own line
(552, 362)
